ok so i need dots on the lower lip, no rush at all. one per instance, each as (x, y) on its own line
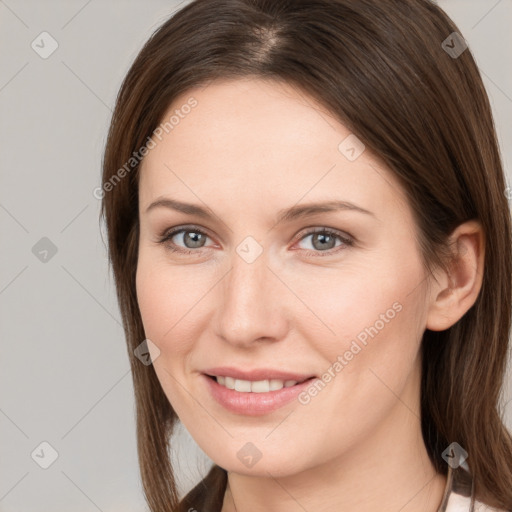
(254, 404)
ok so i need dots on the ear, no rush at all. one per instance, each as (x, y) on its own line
(455, 291)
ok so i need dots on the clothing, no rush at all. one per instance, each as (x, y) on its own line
(458, 493)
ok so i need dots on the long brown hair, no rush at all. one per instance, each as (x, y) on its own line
(385, 69)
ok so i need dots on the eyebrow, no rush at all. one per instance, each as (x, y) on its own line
(285, 215)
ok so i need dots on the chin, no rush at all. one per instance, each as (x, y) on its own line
(248, 459)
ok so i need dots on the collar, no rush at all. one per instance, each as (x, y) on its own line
(459, 490)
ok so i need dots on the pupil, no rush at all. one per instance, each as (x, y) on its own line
(195, 238)
(324, 239)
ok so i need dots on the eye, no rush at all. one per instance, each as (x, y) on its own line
(323, 240)
(191, 236)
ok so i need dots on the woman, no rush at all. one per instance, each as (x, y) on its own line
(310, 238)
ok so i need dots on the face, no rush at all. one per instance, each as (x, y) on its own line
(334, 295)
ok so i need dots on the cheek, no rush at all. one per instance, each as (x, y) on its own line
(360, 304)
(163, 301)
(368, 368)
(376, 319)
(152, 299)
(379, 333)
(166, 297)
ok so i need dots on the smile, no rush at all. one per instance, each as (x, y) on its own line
(253, 398)
(258, 386)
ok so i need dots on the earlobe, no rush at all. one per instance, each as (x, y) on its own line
(456, 290)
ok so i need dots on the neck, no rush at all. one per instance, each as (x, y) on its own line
(389, 472)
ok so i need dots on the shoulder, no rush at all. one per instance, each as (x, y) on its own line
(482, 507)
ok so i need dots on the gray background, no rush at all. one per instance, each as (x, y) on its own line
(64, 369)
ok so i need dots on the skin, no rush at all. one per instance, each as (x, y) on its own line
(247, 150)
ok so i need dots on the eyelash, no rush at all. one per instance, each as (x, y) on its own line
(347, 241)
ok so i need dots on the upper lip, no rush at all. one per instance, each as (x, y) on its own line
(256, 374)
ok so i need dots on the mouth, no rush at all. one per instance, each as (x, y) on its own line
(256, 397)
(255, 386)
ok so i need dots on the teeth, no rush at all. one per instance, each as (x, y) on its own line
(258, 386)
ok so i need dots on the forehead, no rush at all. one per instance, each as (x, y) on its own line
(252, 139)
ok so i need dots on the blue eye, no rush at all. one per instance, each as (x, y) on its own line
(196, 238)
(322, 239)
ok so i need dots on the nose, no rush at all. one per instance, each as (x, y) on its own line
(252, 304)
